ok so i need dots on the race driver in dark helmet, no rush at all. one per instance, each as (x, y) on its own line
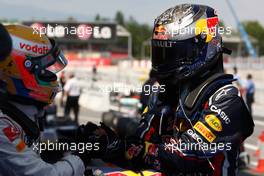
(197, 126)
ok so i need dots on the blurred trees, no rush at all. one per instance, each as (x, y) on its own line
(256, 30)
(98, 18)
(119, 18)
(222, 24)
(71, 19)
(139, 32)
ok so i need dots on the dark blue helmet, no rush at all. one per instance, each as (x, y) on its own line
(186, 41)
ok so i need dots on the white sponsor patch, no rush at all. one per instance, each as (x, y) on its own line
(222, 93)
(29, 47)
(195, 136)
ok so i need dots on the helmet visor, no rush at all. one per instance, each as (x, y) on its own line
(53, 61)
(168, 55)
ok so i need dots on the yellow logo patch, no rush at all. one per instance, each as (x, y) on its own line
(214, 122)
(145, 110)
(207, 26)
(204, 131)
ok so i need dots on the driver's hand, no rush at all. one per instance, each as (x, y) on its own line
(109, 145)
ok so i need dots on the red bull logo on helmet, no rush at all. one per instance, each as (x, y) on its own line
(160, 32)
(160, 29)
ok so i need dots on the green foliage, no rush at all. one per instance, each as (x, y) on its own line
(71, 19)
(221, 23)
(256, 30)
(140, 33)
(119, 18)
(97, 18)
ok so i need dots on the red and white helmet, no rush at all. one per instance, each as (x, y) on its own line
(30, 70)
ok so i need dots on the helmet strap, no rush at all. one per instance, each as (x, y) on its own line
(26, 101)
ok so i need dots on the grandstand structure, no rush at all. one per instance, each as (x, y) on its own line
(237, 45)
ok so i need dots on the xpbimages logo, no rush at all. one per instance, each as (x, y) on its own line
(122, 87)
(60, 146)
(77, 30)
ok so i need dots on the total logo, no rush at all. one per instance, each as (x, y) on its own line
(214, 122)
(221, 113)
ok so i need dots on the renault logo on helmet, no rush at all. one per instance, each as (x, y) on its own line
(160, 43)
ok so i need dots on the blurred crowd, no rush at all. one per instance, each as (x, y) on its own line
(246, 87)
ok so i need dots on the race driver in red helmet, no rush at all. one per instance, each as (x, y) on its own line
(28, 82)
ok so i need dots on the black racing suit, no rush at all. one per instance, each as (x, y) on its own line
(205, 142)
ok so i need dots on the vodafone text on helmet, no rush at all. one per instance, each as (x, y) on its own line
(35, 48)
